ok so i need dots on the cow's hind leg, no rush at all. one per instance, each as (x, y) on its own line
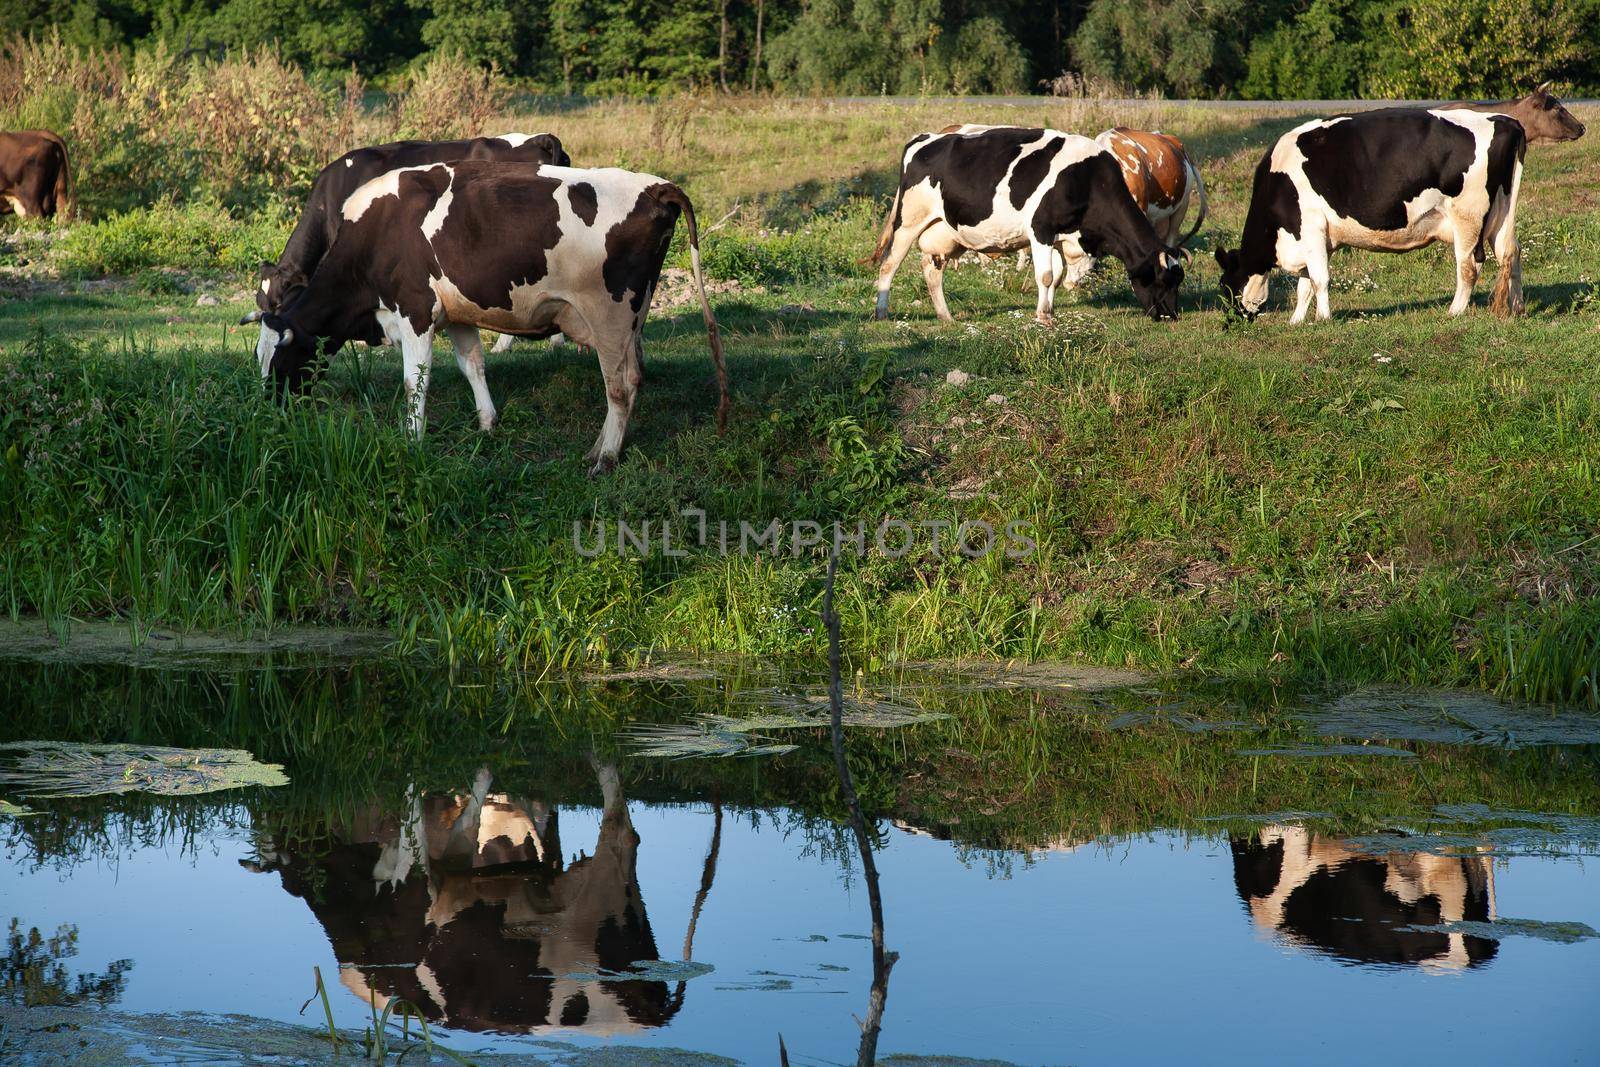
(469, 357)
(904, 238)
(933, 274)
(502, 343)
(620, 365)
(1502, 230)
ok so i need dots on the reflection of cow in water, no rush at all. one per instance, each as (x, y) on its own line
(1316, 893)
(466, 910)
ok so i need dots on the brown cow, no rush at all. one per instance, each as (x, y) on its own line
(1161, 177)
(35, 177)
(1543, 118)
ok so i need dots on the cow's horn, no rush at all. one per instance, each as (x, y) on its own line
(254, 316)
(1544, 87)
(287, 337)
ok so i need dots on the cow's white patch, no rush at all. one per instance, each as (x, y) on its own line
(266, 345)
(265, 285)
(385, 184)
(433, 221)
(349, 162)
(1255, 293)
(515, 140)
(16, 205)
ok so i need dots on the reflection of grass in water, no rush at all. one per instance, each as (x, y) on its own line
(67, 769)
(1562, 933)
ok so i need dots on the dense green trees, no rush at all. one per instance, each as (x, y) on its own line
(1251, 48)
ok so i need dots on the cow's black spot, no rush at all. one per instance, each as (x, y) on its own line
(1256, 867)
(575, 1012)
(637, 246)
(1274, 206)
(1031, 171)
(1368, 166)
(584, 202)
(967, 169)
(319, 223)
(471, 247)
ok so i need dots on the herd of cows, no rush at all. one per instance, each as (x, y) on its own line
(398, 242)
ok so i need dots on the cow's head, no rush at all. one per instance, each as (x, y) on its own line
(1241, 290)
(1155, 283)
(552, 146)
(1544, 119)
(277, 285)
(287, 356)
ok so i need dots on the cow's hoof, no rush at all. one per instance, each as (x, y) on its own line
(880, 314)
(603, 465)
(1044, 320)
(490, 424)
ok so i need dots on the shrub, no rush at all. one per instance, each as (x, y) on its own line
(202, 238)
(448, 96)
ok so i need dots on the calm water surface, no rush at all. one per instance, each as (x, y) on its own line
(1067, 877)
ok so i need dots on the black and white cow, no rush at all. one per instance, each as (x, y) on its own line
(1001, 188)
(515, 247)
(319, 222)
(1390, 181)
(1320, 894)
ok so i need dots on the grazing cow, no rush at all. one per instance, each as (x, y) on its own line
(1540, 113)
(514, 247)
(997, 189)
(1161, 177)
(35, 175)
(1390, 181)
(319, 222)
(1317, 893)
(467, 908)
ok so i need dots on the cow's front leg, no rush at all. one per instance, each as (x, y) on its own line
(469, 357)
(1045, 258)
(904, 238)
(933, 274)
(417, 352)
(620, 366)
(1302, 300)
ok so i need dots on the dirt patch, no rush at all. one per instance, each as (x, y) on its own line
(677, 289)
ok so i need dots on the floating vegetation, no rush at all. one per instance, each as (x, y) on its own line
(774, 709)
(966, 674)
(14, 810)
(1448, 717)
(646, 971)
(65, 769)
(1563, 933)
(1329, 750)
(1476, 828)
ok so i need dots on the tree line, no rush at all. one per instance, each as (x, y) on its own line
(1260, 49)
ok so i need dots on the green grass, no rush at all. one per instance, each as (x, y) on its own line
(1394, 495)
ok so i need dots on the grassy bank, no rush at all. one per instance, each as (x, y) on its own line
(1391, 496)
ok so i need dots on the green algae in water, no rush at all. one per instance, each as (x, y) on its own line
(647, 971)
(1329, 750)
(1562, 933)
(741, 735)
(14, 810)
(1452, 718)
(64, 769)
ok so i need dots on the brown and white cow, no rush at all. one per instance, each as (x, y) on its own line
(1002, 188)
(518, 248)
(1161, 177)
(35, 175)
(1540, 113)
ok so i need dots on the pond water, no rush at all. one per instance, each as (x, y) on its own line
(1072, 870)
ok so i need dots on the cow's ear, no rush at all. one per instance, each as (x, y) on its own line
(1224, 257)
(267, 268)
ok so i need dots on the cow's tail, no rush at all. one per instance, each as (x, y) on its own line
(1200, 196)
(673, 195)
(887, 235)
(66, 189)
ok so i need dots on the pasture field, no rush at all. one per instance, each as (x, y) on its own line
(1393, 496)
